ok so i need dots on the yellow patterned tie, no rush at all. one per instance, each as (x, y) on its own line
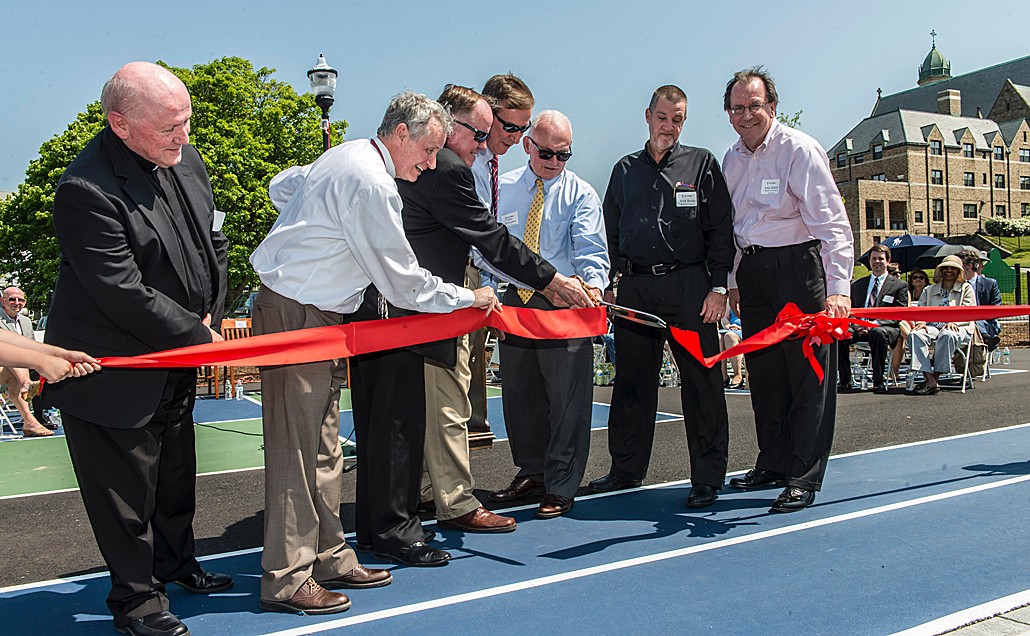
(532, 235)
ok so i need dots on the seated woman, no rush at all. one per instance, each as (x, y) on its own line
(917, 281)
(949, 289)
(729, 336)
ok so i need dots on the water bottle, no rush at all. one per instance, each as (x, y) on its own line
(1006, 356)
(996, 357)
(239, 389)
(228, 389)
(865, 381)
(910, 381)
(54, 416)
(856, 370)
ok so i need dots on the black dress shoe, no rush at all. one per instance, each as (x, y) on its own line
(848, 388)
(701, 495)
(611, 482)
(202, 582)
(880, 389)
(757, 478)
(518, 488)
(793, 499)
(427, 536)
(156, 624)
(417, 554)
(926, 389)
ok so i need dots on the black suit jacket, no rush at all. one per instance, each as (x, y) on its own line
(443, 218)
(892, 287)
(121, 286)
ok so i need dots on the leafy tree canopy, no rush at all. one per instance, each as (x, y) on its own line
(247, 127)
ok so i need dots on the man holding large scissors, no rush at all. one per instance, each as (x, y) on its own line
(669, 221)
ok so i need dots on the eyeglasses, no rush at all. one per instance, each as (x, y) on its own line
(510, 127)
(478, 135)
(547, 155)
(737, 111)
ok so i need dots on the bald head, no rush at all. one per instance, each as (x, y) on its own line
(13, 301)
(149, 109)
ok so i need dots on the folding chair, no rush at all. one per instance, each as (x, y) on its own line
(232, 328)
(7, 410)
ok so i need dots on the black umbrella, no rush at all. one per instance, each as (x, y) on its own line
(905, 249)
(933, 256)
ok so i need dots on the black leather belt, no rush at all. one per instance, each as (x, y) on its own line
(752, 249)
(661, 269)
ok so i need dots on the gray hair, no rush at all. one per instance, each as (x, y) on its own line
(555, 118)
(414, 110)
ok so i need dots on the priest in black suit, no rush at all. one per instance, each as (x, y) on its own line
(143, 268)
(879, 289)
(443, 219)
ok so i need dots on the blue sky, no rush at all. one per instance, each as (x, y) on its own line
(596, 61)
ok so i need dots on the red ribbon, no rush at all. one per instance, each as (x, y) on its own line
(815, 329)
(343, 341)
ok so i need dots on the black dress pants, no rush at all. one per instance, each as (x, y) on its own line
(676, 297)
(388, 394)
(794, 412)
(139, 489)
(880, 340)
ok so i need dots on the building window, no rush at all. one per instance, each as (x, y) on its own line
(999, 181)
(1024, 183)
(878, 151)
(969, 211)
(879, 177)
(967, 150)
(842, 160)
(859, 158)
(968, 179)
(999, 153)
(1024, 209)
(936, 177)
(1024, 154)
(938, 210)
(918, 216)
(935, 147)
(872, 221)
(999, 210)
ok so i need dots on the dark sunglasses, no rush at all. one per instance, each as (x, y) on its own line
(918, 278)
(547, 155)
(478, 135)
(510, 127)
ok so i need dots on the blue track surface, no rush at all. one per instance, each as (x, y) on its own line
(899, 537)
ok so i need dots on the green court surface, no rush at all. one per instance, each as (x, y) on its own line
(41, 465)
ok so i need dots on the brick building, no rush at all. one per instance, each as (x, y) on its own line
(939, 158)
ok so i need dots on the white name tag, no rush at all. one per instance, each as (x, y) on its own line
(686, 199)
(770, 186)
(216, 222)
(887, 300)
(511, 218)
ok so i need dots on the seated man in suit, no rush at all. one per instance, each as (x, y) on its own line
(17, 380)
(987, 293)
(879, 289)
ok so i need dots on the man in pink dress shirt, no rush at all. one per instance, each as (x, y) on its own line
(794, 244)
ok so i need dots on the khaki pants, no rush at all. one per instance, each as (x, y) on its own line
(446, 474)
(303, 461)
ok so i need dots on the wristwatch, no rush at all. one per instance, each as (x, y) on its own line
(720, 290)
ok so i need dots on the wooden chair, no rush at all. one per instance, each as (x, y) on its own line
(232, 328)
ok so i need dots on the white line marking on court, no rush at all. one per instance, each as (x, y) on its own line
(627, 563)
(969, 615)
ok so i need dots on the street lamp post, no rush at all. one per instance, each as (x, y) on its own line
(323, 85)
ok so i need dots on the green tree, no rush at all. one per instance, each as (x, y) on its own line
(794, 121)
(247, 127)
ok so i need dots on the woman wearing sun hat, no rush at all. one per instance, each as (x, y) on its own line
(949, 289)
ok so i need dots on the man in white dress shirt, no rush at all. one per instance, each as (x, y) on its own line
(548, 384)
(338, 248)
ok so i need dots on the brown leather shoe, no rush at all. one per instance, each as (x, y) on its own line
(311, 598)
(359, 577)
(553, 506)
(481, 520)
(520, 487)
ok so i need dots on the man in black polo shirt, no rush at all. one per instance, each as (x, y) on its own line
(669, 221)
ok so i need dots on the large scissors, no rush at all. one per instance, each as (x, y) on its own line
(634, 315)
